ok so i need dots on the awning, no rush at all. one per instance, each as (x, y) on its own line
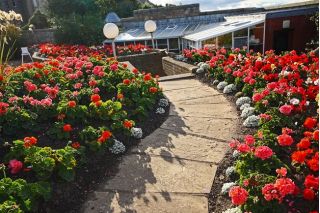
(232, 24)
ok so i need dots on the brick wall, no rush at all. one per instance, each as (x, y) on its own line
(174, 67)
(149, 62)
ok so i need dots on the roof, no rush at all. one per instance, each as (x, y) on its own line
(163, 32)
(232, 24)
(293, 12)
(112, 17)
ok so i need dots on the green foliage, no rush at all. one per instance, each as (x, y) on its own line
(19, 196)
(123, 8)
(39, 20)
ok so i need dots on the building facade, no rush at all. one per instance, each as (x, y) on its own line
(260, 29)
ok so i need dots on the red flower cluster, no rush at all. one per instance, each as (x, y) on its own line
(238, 195)
(104, 136)
(30, 141)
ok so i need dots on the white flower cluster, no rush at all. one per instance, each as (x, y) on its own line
(252, 121)
(222, 85)
(136, 132)
(226, 187)
(236, 154)
(160, 110)
(230, 171)
(294, 101)
(246, 112)
(215, 82)
(202, 67)
(117, 148)
(163, 102)
(233, 210)
(243, 100)
(229, 89)
(243, 106)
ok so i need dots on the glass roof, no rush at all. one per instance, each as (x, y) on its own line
(232, 24)
(192, 31)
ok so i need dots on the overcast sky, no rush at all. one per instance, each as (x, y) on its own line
(226, 4)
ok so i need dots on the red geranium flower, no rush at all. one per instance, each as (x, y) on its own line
(75, 145)
(238, 195)
(304, 143)
(67, 128)
(30, 141)
(263, 152)
(153, 89)
(15, 166)
(72, 104)
(104, 136)
(309, 123)
(126, 81)
(308, 194)
(285, 140)
(127, 124)
(286, 109)
(95, 98)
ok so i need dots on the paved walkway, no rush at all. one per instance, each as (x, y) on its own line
(172, 170)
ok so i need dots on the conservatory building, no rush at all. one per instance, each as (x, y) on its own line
(260, 29)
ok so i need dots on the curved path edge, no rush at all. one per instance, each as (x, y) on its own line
(172, 170)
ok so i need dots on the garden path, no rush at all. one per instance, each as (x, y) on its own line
(172, 170)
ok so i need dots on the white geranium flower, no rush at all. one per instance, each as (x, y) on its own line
(205, 66)
(226, 187)
(160, 110)
(243, 100)
(222, 85)
(251, 121)
(236, 154)
(200, 70)
(117, 148)
(243, 106)
(215, 82)
(230, 171)
(316, 82)
(163, 102)
(309, 81)
(136, 132)
(247, 112)
(294, 101)
(229, 89)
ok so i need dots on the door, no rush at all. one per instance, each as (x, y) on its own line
(281, 41)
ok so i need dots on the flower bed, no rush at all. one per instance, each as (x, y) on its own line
(277, 94)
(54, 115)
(49, 50)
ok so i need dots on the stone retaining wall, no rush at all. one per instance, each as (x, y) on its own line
(149, 62)
(38, 36)
(174, 67)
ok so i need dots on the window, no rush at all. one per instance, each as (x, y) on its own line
(13, 2)
(173, 44)
(162, 44)
(225, 41)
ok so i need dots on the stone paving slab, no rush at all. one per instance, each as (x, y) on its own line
(180, 84)
(145, 173)
(191, 93)
(214, 128)
(120, 202)
(168, 144)
(221, 110)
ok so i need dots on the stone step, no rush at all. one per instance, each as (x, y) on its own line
(176, 77)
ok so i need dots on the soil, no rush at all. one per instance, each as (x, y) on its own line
(67, 196)
(217, 202)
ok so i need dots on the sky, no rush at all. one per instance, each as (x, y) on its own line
(226, 4)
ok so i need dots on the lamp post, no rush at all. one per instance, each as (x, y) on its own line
(111, 31)
(150, 26)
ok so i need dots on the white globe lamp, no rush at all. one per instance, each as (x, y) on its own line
(111, 31)
(150, 26)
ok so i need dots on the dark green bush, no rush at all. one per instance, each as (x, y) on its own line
(39, 20)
